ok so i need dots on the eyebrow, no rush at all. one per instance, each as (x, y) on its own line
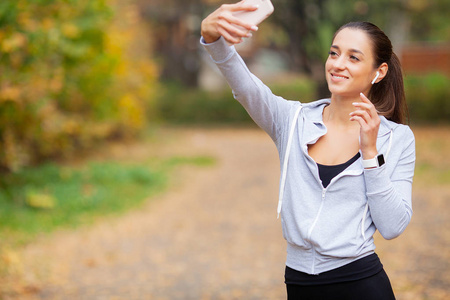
(351, 50)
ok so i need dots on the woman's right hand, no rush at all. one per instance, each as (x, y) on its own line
(221, 23)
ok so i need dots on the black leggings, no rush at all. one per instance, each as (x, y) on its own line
(376, 287)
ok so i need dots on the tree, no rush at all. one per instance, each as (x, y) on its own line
(176, 26)
(69, 78)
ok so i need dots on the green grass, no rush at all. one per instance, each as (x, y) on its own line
(432, 174)
(49, 197)
(182, 160)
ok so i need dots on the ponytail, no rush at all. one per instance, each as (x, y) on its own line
(388, 95)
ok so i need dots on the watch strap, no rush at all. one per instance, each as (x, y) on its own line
(375, 162)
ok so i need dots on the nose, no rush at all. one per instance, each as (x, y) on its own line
(339, 63)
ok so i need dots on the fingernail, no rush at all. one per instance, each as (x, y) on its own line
(249, 35)
(355, 103)
(256, 6)
(255, 28)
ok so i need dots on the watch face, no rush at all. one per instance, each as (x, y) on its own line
(380, 160)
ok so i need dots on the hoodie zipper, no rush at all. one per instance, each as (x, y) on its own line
(324, 191)
(318, 214)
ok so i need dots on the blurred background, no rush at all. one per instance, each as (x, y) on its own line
(76, 75)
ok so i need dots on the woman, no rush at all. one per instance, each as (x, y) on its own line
(347, 162)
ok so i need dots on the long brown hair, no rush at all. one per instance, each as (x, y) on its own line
(388, 95)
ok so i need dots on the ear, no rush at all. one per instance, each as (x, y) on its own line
(382, 70)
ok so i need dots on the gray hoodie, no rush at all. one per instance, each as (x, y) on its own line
(325, 228)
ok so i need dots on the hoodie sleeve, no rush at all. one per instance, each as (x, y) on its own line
(266, 109)
(389, 198)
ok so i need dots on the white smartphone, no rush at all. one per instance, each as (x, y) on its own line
(255, 17)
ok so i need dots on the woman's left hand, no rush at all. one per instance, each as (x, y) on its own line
(367, 117)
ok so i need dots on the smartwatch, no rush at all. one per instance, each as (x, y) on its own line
(375, 162)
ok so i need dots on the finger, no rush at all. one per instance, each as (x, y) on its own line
(368, 108)
(362, 105)
(228, 37)
(363, 114)
(364, 98)
(366, 104)
(233, 20)
(361, 121)
(241, 6)
(233, 30)
(230, 18)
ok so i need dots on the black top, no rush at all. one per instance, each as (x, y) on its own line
(326, 173)
(359, 269)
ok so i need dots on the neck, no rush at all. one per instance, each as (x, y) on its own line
(338, 112)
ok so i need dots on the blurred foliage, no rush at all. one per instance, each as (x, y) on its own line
(41, 199)
(180, 104)
(184, 105)
(429, 20)
(428, 98)
(70, 76)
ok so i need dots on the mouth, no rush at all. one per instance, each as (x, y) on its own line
(339, 77)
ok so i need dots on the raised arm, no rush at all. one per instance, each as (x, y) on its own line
(266, 109)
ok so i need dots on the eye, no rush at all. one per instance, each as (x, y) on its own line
(352, 57)
(332, 53)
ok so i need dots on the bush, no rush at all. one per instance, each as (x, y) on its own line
(68, 79)
(178, 104)
(428, 98)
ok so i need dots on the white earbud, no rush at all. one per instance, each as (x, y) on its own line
(376, 77)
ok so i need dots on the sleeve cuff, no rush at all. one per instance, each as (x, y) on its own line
(219, 50)
(376, 180)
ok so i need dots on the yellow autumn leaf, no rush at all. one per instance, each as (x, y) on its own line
(48, 23)
(10, 93)
(132, 111)
(40, 200)
(16, 41)
(70, 30)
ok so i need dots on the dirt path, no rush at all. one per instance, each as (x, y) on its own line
(215, 235)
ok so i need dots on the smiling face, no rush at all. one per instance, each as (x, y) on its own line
(350, 64)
